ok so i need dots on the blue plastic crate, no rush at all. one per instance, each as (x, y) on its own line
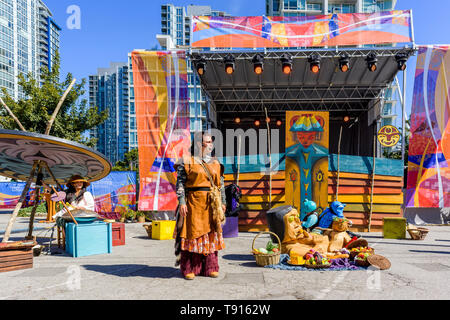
(88, 239)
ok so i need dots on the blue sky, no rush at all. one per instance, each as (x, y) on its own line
(112, 28)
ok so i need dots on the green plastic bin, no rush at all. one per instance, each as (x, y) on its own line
(394, 228)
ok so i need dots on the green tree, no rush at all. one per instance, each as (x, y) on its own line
(130, 163)
(41, 98)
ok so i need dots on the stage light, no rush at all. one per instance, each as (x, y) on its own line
(372, 61)
(314, 61)
(279, 123)
(344, 63)
(286, 61)
(237, 120)
(258, 64)
(268, 120)
(257, 123)
(200, 65)
(229, 64)
(401, 59)
(346, 119)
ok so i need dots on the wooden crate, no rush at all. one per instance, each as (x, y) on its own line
(13, 260)
(118, 234)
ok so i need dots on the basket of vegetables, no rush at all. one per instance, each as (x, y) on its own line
(270, 254)
(356, 251)
(361, 259)
(314, 260)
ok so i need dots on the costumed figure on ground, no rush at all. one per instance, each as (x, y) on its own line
(200, 213)
(335, 210)
(310, 218)
(339, 238)
(333, 218)
(306, 153)
(297, 241)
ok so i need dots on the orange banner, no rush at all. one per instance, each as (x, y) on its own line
(162, 116)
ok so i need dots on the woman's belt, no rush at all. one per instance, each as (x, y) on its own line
(198, 189)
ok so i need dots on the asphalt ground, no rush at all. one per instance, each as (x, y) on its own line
(144, 269)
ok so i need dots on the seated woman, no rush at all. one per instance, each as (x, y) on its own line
(77, 195)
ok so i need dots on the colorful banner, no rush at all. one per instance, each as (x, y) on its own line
(342, 29)
(115, 193)
(10, 193)
(429, 146)
(162, 115)
(307, 144)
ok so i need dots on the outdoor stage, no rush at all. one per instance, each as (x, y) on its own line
(353, 101)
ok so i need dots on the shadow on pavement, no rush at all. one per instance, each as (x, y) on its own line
(238, 257)
(425, 251)
(249, 264)
(416, 243)
(135, 270)
(372, 237)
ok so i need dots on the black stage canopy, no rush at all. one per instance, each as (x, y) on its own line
(328, 90)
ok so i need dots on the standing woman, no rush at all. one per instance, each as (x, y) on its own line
(198, 236)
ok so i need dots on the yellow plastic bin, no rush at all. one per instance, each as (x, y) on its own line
(394, 228)
(163, 230)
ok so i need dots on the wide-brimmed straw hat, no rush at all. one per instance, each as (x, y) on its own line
(78, 178)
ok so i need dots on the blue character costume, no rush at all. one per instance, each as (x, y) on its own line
(335, 210)
(306, 154)
(310, 218)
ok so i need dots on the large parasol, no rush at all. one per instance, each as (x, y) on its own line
(41, 158)
(31, 157)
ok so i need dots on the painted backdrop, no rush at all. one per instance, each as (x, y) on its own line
(307, 144)
(429, 146)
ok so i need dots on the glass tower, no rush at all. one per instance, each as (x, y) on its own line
(29, 39)
(109, 90)
(295, 8)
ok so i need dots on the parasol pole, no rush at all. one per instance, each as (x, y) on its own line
(12, 115)
(338, 166)
(36, 204)
(12, 220)
(52, 175)
(54, 190)
(60, 103)
(373, 180)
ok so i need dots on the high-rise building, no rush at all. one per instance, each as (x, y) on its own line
(300, 8)
(29, 40)
(48, 37)
(109, 90)
(176, 33)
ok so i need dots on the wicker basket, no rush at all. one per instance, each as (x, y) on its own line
(353, 254)
(362, 263)
(263, 260)
(419, 233)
